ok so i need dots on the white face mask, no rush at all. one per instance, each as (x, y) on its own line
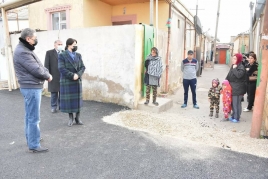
(60, 47)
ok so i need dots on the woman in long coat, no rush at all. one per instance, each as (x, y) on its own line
(71, 69)
(237, 78)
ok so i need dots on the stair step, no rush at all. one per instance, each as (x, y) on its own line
(164, 105)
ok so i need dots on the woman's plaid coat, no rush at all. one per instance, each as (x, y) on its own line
(70, 90)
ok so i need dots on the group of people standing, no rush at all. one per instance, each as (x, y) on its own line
(63, 70)
(241, 79)
(154, 69)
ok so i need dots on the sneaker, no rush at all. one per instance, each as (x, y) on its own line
(235, 121)
(230, 118)
(196, 106)
(246, 110)
(146, 102)
(184, 106)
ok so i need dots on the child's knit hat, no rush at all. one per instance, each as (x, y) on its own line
(225, 82)
(216, 81)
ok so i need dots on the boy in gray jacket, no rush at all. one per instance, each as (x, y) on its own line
(189, 67)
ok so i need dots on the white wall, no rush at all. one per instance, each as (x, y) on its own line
(3, 72)
(12, 25)
(113, 60)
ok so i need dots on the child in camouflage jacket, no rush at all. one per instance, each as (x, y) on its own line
(214, 94)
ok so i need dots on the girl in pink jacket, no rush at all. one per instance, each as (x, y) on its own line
(226, 99)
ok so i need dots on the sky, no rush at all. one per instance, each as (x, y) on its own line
(234, 16)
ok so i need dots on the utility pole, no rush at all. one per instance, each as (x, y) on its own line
(151, 12)
(261, 88)
(251, 4)
(195, 37)
(216, 31)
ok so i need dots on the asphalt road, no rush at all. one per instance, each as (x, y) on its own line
(98, 150)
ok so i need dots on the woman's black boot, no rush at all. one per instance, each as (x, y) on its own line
(78, 122)
(71, 119)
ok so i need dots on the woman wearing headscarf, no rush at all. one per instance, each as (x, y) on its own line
(154, 69)
(237, 79)
(252, 70)
(71, 69)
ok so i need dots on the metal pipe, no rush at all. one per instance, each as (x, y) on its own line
(18, 22)
(260, 94)
(251, 4)
(216, 31)
(8, 3)
(7, 43)
(195, 24)
(168, 51)
(184, 44)
(156, 22)
(151, 12)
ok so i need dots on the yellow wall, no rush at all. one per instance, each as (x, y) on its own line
(91, 13)
(38, 17)
(142, 10)
(97, 13)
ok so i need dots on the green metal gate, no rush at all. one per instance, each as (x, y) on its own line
(228, 57)
(259, 68)
(148, 44)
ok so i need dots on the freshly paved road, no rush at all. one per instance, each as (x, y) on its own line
(98, 150)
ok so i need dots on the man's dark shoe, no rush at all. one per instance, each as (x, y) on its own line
(39, 150)
(53, 110)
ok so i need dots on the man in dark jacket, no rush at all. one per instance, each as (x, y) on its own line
(31, 75)
(51, 63)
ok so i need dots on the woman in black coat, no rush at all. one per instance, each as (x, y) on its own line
(252, 70)
(237, 78)
(71, 69)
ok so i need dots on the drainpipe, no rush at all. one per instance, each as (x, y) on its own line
(151, 12)
(184, 55)
(168, 46)
(260, 94)
(251, 4)
(156, 23)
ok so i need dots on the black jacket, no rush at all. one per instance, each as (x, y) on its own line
(238, 79)
(252, 69)
(51, 63)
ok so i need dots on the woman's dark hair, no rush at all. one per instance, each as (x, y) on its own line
(253, 55)
(69, 41)
(155, 50)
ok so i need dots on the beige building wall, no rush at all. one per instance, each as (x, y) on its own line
(97, 13)
(38, 18)
(142, 10)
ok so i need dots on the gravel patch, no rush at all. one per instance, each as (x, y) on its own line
(189, 128)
